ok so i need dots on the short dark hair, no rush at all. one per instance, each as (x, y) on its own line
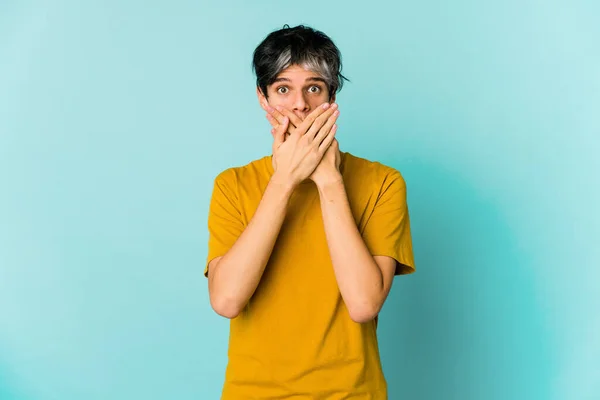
(300, 45)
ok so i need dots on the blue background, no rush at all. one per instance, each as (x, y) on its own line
(115, 117)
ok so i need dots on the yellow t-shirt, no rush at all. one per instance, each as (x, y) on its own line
(295, 338)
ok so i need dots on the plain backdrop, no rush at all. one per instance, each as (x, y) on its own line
(115, 117)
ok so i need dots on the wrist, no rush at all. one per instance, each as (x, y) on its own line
(332, 180)
(283, 183)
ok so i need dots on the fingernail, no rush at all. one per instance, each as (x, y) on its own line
(325, 106)
(278, 108)
(334, 106)
(336, 113)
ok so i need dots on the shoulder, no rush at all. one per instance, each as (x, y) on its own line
(359, 169)
(243, 173)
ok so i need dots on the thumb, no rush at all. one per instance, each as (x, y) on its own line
(279, 132)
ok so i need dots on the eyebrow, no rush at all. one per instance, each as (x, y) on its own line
(311, 79)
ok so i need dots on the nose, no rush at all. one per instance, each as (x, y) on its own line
(300, 104)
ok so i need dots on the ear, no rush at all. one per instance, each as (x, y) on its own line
(261, 97)
(332, 99)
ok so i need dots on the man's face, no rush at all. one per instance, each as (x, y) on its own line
(299, 90)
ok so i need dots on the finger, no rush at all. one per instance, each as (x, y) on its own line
(270, 111)
(275, 117)
(276, 113)
(278, 117)
(319, 123)
(310, 119)
(328, 139)
(274, 123)
(279, 133)
(324, 131)
(284, 112)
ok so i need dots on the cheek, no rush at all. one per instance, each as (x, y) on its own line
(316, 101)
(274, 102)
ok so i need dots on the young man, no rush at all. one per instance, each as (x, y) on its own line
(304, 243)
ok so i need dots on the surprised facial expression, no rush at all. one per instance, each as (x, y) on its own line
(299, 90)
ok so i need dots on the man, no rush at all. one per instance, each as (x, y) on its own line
(304, 243)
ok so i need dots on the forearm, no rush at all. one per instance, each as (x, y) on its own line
(239, 271)
(358, 276)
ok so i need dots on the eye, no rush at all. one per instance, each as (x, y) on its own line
(282, 90)
(314, 89)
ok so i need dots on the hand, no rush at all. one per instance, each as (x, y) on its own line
(328, 169)
(276, 119)
(276, 116)
(298, 155)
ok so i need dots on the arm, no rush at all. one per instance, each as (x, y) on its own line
(233, 278)
(364, 280)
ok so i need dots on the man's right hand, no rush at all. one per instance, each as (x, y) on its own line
(301, 152)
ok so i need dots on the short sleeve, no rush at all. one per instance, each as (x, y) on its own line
(387, 231)
(225, 222)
